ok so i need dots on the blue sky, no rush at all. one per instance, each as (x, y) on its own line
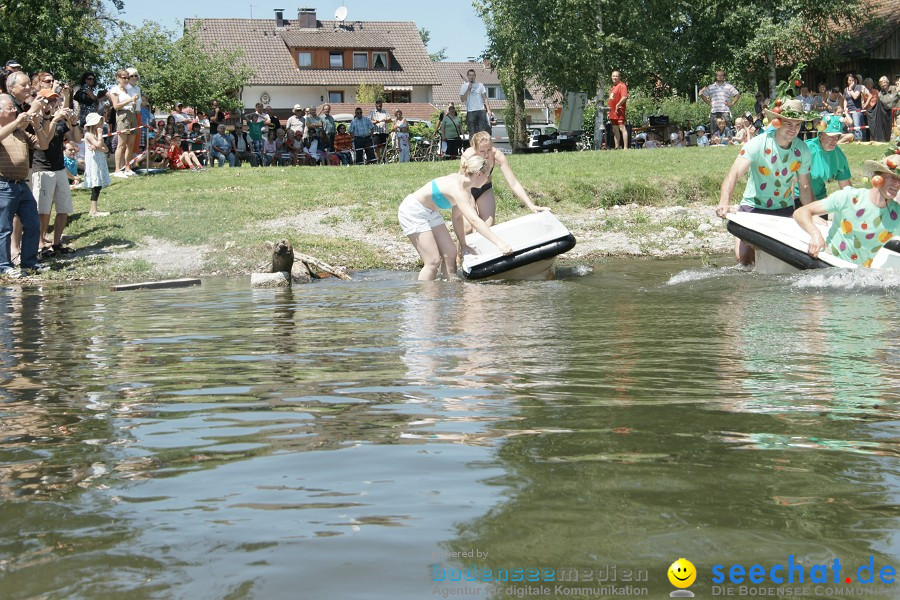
(453, 25)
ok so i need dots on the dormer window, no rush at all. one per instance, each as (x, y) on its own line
(360, 60)
(379, 60)
(336, 59)
(304, 60)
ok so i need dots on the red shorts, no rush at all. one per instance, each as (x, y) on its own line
(616, 120)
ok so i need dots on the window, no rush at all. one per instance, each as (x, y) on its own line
(304, 60)
(380, 60)
(336, 97)
(492, 92)
(360, 60)
(337, 60)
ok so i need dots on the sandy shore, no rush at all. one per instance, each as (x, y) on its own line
(629, 230)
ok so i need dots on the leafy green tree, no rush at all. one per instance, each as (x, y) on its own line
(64, 37)
(437, 56)
(369, 93)
(180, 69)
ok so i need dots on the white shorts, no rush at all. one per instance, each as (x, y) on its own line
(49, 188)
(415, 217)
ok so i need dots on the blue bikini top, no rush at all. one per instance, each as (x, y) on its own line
(438, 198)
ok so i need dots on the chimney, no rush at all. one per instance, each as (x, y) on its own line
(306, 18)
(279, 17)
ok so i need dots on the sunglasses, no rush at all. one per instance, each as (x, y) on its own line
(48, 81)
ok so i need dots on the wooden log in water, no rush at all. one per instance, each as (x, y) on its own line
(155, 285)
(312, 261)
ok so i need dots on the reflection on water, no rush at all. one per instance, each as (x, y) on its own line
(342, 438)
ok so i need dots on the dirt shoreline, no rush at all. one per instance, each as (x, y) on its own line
(621, 231)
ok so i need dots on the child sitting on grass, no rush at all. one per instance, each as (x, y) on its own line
(182, 159)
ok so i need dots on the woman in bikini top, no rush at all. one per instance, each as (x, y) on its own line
(485, 202)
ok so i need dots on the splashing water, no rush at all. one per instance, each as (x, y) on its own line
(847, 279)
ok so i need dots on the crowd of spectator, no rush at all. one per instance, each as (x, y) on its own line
(56, 137)
(867, 113)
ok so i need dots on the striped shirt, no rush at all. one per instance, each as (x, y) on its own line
(719, 95)
(15, 160)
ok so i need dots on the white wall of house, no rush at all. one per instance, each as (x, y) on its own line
(284, 97)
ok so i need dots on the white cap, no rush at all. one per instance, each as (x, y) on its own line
(673, 136)
(297, 107)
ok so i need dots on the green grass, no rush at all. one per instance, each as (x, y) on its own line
(222, 208)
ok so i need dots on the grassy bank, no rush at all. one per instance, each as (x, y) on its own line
(225, 215)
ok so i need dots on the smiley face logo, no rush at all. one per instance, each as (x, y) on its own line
(682, 573)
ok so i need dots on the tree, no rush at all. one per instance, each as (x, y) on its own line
(369, 93)
(437, 56)
(64, 37)
(180, 69)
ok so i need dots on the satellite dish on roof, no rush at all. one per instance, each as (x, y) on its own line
(341, 13)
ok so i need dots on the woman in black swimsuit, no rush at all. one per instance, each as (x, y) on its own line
(485, 202)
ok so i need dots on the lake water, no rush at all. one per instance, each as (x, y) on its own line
(345, 439)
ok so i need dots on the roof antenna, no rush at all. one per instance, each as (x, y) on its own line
(341, 13)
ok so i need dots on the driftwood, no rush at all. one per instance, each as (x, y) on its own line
(317, 267)
(155, 285)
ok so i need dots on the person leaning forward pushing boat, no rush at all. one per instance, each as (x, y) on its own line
(425, 227)
(771, 161)
(485, 202)
(864, 219)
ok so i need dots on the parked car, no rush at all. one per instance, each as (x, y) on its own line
(547, 138)
(500, 138)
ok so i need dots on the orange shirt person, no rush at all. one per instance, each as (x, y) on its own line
(618, 96)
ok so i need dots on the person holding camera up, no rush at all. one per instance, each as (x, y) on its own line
(49, 182)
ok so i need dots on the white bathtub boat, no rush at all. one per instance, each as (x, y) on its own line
(781, 245)
(537, 239)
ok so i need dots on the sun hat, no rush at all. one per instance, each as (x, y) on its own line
(673, 136)
(297, 107)
(91, 120)
(830, 125)
(47, 94)
(790, 109)
(889, 164)
(14, 64)
(132, 71)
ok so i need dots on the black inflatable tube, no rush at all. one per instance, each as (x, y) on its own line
(792, 256)
(521, 258)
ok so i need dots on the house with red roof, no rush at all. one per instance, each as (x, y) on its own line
(309, 62)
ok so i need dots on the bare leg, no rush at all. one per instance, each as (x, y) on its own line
(128, 142)
(59, 225)
(427, 248)
(45, 223)
(744, 253)
(447, 250)
(623, 133)
(120, 153)
(486, 207)
(617, 135)
(15, 240)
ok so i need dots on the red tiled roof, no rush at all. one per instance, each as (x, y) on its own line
(267, 54)
(453, 74)
(867, 38)
(336, 38)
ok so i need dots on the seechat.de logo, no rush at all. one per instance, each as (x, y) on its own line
(795, 572)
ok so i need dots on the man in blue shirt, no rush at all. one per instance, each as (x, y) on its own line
(222, 147)
(361, 129)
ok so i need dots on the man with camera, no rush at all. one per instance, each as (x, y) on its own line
(49, 182)
(16, 199)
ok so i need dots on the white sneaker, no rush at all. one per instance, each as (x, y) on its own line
(120, 175)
